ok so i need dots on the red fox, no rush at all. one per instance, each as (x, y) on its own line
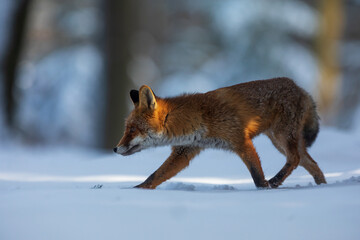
(227, 118)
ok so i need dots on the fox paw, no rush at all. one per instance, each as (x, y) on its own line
(144, 186)
(263, 185)
(274, 183)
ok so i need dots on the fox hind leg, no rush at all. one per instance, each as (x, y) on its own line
(290, 148)
(276, 143)
(306, 160)
(312, 167)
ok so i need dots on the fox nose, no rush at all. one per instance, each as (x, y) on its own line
(115, 149)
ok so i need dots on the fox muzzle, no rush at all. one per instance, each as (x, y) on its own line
(126, 151)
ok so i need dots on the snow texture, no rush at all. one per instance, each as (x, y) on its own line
(64, 193)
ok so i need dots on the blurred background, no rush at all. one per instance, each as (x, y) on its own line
(67, 66)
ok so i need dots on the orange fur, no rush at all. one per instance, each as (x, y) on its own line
(227, 118)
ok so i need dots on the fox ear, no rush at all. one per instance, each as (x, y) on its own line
(134, 94)
(147, 98)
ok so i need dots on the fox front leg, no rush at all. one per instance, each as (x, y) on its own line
(248, 154)
(179, 159)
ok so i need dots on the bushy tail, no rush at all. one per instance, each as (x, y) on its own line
(311, 127)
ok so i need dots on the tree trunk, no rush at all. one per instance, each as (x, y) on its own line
(120, 20)
(330, 31)
(12, 56)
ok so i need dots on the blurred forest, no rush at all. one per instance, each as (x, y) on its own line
(67, 66)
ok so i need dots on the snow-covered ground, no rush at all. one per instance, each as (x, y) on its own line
(64, 193)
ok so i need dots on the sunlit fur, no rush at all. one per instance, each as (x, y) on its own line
(226, 118)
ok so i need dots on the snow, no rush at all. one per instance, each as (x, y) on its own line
(71, 193)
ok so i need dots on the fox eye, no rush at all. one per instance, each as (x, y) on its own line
(132, 129)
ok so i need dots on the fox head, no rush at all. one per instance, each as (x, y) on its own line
(144, 127)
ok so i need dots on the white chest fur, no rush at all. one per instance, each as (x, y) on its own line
(198, 138)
